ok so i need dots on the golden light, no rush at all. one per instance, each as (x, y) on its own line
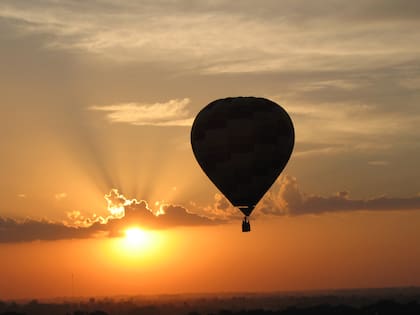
(138, 246)
(117, 211)
(136, 237)
(161, 205)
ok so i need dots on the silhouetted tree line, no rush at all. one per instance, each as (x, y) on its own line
(36, 308)
(75, 313)
(217, 306)
(384, 307)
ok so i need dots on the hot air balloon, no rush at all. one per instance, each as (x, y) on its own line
(242, 144)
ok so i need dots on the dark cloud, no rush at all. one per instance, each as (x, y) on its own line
(286, 198)
(178, 216)
(222, 203)
(304, 11)
(134, 213)
(30, 230)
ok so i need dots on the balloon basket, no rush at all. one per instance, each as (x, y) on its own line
(246, 226)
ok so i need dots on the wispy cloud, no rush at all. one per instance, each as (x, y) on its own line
(349, 125)
(171, 113)
(335, 65)
(210, 36)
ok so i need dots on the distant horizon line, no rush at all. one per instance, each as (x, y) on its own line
(313, 292)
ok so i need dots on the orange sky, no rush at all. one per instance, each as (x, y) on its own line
(305, 253)
(101, 96)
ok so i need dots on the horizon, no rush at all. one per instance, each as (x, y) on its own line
(397, 301)
(365, 292)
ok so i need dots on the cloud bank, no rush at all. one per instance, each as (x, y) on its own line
(123, 213)
(286, 198)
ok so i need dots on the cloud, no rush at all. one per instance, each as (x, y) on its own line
(12, 231)
(171, 113)
(285, 198)
(210, 36)
(123, 213)
(139, 212)
(222, 209)
(353, 123)
(335, 64)
(175, 215)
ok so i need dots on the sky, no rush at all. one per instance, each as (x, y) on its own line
(96, 103)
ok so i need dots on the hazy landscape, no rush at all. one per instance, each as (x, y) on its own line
(366, 301)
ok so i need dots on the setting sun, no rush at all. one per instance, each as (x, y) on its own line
(137, 245)
(135, 237)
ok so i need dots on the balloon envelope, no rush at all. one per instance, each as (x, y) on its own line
(242, 144)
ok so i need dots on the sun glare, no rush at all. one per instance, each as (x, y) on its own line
(137, 244)
(136, 237)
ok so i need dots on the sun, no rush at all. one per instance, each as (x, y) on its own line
(137, 243)
(136, 238)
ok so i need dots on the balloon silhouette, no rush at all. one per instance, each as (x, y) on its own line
(242, 144)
